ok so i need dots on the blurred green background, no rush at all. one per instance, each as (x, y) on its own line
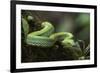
(76, 23)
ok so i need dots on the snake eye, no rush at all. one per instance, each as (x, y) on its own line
(69, 44)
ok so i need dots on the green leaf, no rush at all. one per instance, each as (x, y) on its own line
(25, 26)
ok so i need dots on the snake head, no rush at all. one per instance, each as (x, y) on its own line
(68, 43)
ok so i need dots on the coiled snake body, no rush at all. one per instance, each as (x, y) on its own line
(46, 36)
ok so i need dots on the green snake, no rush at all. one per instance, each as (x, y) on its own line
(46, 37)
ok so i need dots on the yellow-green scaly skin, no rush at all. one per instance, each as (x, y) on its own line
(46, 36)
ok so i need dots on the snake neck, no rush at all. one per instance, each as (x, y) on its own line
(61, 35)
(47, 30)
(64, 37)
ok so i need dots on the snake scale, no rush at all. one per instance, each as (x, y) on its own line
(46, 37)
